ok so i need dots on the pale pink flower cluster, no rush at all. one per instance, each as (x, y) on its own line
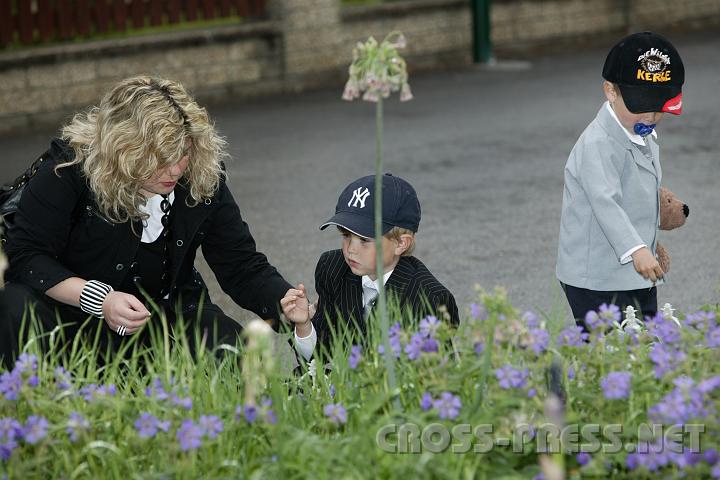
(377, 70)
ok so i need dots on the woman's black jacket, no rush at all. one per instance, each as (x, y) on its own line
(58, 233)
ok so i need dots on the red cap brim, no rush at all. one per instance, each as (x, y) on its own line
(674, 105)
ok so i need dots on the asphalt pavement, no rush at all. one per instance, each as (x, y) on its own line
(485, 150)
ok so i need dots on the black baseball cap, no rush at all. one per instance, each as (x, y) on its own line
(355, 210)
(649, 72)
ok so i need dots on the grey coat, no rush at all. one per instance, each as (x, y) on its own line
(610, 205)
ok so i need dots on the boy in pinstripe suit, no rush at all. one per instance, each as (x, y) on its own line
(345, 279)
(610, 212)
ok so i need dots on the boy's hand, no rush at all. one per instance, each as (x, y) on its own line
(296, 308)
(647, 265)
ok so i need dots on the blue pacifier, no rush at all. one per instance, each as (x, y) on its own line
(643, 129)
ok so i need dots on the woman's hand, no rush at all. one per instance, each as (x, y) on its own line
(647, 265)
(124, 310)
(297, 309)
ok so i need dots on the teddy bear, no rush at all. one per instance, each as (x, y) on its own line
(673, 213)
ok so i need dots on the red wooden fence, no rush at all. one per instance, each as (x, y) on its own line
(32, 21)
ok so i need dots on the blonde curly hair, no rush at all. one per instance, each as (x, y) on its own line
(143, 125)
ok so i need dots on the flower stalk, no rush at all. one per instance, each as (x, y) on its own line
(377, 70)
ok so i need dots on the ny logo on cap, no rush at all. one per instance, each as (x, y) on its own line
(359, 195)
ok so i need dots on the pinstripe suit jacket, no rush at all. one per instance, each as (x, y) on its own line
(340, 293)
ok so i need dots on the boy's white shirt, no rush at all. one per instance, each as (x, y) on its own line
(638, 140)
(306, 345)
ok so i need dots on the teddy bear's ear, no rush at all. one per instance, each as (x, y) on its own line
(665, 195)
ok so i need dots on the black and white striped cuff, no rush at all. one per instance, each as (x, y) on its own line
(92, 297)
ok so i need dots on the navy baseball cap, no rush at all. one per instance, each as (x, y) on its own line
(649, 72)
(355, 210)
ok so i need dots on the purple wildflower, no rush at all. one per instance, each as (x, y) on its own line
(448, 405)
(355, 356)
(94, 392)
(715, 472)
(33, 381)
(531, 319)
(414, 346)
(336, 412)
(711, 456)
(63, 379)
(572, 337)
(331, 390)
(477, 311)
(429, 346)
(592, 320)
(510, 377)
(189, 435)
(604, 318)
(540, 340)
(709, 385)
(211, 425)
(665, 330)
(685, 403)
(429, 326)
(10, 385)
(148, 425)
(6, 450)
(157, 390)
(426, 402)
(394, 337)
(583, 458)
(713, 337)
(665, 358)
(248, 411)
(251, 412)
(478, 348)
(269, 414)
(531, 393)
(616, 385)
(700, 320)
(10, 433)
(76, 424)
(394, 329)
(609, 313)
(26, 363)
(571, 373)
(632, 461)
(35, 429)
(182, 402)
(685, 458)
(651, 456)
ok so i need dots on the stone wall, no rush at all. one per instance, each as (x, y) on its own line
(43, 86)
(308, 43)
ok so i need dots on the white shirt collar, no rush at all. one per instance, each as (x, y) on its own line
(370, 289)
(152, 227)
(636, 139)
(373, 284)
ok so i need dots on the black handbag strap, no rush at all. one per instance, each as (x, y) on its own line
(28, 174)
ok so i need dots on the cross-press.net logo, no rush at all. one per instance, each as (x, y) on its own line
(544, 438)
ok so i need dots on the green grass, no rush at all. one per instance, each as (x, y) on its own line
(304, 442)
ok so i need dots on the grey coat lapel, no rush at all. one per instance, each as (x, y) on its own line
(613, 128)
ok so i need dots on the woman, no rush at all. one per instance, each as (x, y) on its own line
(116, 213)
